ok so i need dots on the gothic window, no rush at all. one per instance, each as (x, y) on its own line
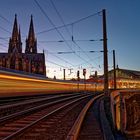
(12, 63)
(3, 62)
(32, 67)
(20, 64)
(0, 62)
(38, 67)
(31, 50)
(27, 65)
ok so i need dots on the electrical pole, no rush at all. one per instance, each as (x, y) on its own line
(64, 72)
(105, 53)
(114, 66)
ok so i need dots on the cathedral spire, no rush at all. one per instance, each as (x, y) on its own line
(19, 34)
(15, 44)
(31, 45)
(19, 39)
(15, 29)
(31, 35)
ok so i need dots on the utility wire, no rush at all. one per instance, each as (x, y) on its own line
(60, 58)
(83, 51)
(70, 24)
(5, 39)
(59, 15)
(52, 53)
(5, 19)
(2, 45)
(42, 10)
(77, 51)
(5, 30)
(74, 65)
(80, 40)
(45, 31)
(79, 20)
(56, 64)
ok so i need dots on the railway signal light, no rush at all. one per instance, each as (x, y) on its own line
(78, 73)
(84, 72)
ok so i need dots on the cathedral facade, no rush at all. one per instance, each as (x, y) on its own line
(30, 61)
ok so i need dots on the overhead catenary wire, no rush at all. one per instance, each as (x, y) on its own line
(3, 47)
(70, 24)
(42, 10)
(52, 53)
(59, 31)
(77, 21)
(73, 66)
(45, 14)
(82, 50)
(5, 19)
(5, 30)
(79, 40)
(69, 52)
(73, 40)
(57, 64)
(54, 63)
(3, 38)
(90, 60)
(59, 15)
(59, 58)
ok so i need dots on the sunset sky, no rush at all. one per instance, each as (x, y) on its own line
(123, 30)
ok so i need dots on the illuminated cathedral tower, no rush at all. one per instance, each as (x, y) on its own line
(15, 48)
(31, 42)
(31, 61)
(15, 44)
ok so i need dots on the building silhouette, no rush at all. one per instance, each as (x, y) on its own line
(31, 61)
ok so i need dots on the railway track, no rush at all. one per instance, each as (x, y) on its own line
(12, 100)
(11, 108)
(91, 128)
(87, 126)
(16, 123)
(60, 120)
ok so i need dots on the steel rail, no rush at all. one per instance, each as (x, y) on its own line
(32, 101)
(11, 101)
(44, 117)
(74, 132)
(6, 118)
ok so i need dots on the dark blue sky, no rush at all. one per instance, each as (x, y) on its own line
(123, 21)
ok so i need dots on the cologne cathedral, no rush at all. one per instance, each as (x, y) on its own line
(30, 61)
